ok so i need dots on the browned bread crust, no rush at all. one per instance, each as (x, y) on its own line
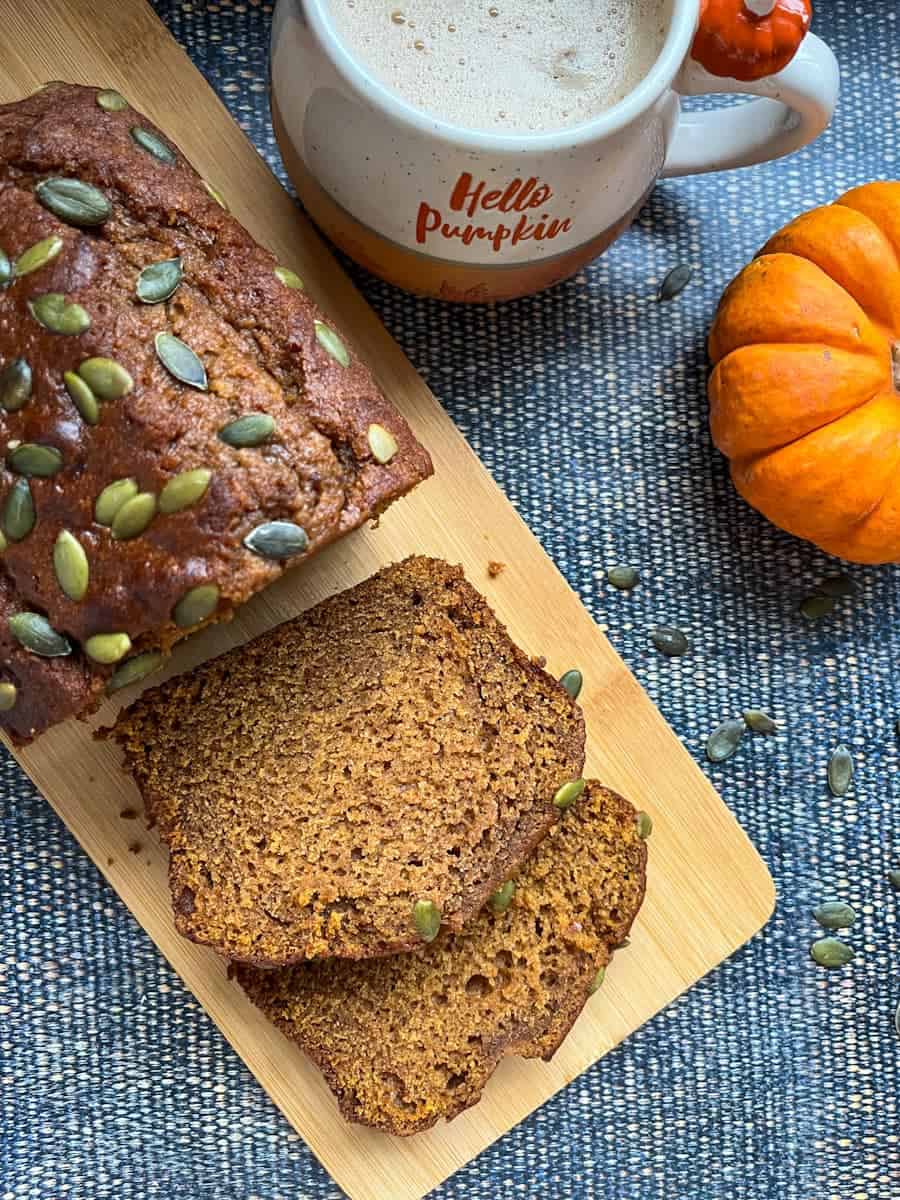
(391, 745)
(404, 1041)
(263, 348)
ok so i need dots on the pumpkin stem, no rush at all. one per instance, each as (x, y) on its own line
(895, 358)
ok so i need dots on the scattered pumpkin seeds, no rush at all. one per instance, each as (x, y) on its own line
(107, 648)
(15, 385)
(36, 634)
(180, 361)
(18, 511)
(724, 740)
(289, 278)
(644, 824)
(59, 315)
(331, 342)
(153, 145)
(597, 981)
(38, 255)
(112, 498)
(573, 681)
(840, 771)
(894, 877)
(815, 607)
(216, 194)
(135, 669)
(427, 919)
(106, 378)
(669, 641)
(277, 539)
(676, 281)
(70, 564)
(834, 914)
(32, 458)
(8, 696)
(158, 281)
(111, 101)
(831, 952)
(196, 605)
(73, 201)
(837, 586)
(184, 490)
(382, 443)
(82, 397)
(623, 578)
(502, 898)
(134, 516)
(250, 430)
(569, 792)
(6, 269)
(759, 721)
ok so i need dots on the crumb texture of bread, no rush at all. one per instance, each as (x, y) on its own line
(265, 347)
(390, 745)
(406, 1040)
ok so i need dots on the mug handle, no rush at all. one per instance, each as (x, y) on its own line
(796, 106)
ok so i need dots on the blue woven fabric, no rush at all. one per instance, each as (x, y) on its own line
(770, 1080)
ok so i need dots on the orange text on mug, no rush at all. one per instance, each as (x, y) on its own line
(520, 201)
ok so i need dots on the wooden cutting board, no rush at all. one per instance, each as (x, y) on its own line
(708, 889)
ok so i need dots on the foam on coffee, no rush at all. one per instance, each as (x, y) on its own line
(519, 66)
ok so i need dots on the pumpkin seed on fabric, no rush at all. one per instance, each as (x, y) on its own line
(277, 539)
(840, 771)
(427, 919)
(597, 981)
(502, 898)
(196, 605)
(814, 608)
(107, 648)
(573, 682)
(184, 490)
(70, 565)
(112, 498)
(8, 696)
(6, 269)
(158, 281)
(724, 740)
(834, 914)
(894, 878)
(18, 511)
(111, 100)
(566, 795)
(668, 640)
(289, 278)
(837, 586)
(180, 361)
(153, 145)
(382, 443)
(759, 721)
(106, 378)
(38, 255)
(15, 385)
(73, 201)
(831, 952)
(248, 431)
(675, 282)
(36, 634)
(623, 578)
(332, 343)
(59, 315)
(135, 669)
(32, 458)
(134, 516)
(82, 397)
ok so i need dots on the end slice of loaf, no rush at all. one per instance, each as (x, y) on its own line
(407, 1040)
(390, 746)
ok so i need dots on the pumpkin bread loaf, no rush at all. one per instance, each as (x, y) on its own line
(348, 781)
(406, 1040)
(180, 421)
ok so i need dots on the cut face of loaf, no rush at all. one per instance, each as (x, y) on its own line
(404, 1041)
(335, 786)
(181, 422)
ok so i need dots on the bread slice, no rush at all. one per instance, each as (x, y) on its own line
(390, 746)
(406, 1040)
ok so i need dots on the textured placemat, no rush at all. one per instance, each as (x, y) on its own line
(771, 1080)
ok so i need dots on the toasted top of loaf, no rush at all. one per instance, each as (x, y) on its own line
(390, 746)
(254, 344)
(406, 1040)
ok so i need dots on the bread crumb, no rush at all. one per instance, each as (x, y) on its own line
(110, 861)
(135, 848)
(129, 814)
(494, 568)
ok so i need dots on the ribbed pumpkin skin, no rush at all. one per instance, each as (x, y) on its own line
(732, 42)
(805, 391)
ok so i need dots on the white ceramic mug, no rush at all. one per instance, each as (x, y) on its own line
(469, 215)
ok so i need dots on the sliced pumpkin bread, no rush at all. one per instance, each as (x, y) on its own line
(342, 783)
(406, 1040)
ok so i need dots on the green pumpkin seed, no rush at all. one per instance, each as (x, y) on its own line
(427, 919)
(18, 511)
(830, 952)
(135, 669)
(134, 516)
(814, 608)
(153, 145)
(111, 100)
(8, 695)
(277, 539)
(644, 823)
(6, 270)
(184, 490)
(724, 740)
(289, 279)
(597, 981)
(502, 898)
(759, 721)
(569, 792)
(180, 361)
(676, 281)
(107, 648)
(572, 681)
(250, 430)
(623, 578)
(106, 378)
(31, 458)
(834, 914)
(111, 499)
(3, 541)
(38, 255)
(158, 281)
(894, 877)
(669, 641)
(382, 443)
(216, 194)
(15, 385)
(897, 1020)
(82, 397)
(840, 771)
(70, 564)
(196, 605)
(837, 586)
(73, 201)
(330, 341)
(56, 313)
(36, 634)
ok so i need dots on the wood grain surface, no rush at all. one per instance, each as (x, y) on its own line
(708, 889)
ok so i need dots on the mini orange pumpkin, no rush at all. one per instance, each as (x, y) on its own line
(749, 39)
(805, 394)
